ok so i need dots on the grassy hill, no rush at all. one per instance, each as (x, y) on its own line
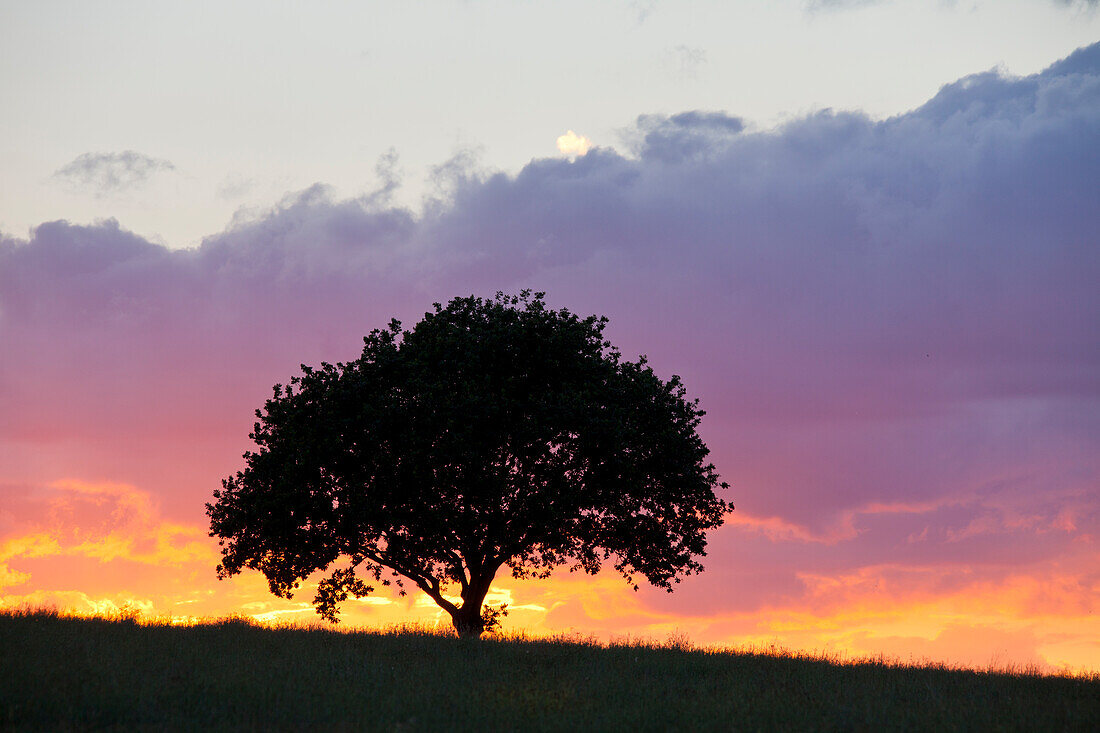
(59, 673)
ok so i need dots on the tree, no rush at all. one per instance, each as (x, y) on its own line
(497, 432)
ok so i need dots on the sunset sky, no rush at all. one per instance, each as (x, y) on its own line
(866, 234)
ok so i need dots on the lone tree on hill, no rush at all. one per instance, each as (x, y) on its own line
(494, 433)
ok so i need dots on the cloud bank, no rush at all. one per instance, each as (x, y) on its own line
(892, 325)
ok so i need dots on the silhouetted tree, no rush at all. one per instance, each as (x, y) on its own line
(494, 433)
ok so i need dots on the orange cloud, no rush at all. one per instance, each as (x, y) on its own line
(779, 529)
(128, 527)
(844, 528)
(85, 532)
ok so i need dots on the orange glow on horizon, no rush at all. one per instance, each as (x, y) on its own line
(104, 548)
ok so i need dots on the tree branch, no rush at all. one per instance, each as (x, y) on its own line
(426, 582)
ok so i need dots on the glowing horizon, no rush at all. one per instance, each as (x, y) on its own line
(1021, 621)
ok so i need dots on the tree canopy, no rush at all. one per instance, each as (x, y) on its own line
(495, 433)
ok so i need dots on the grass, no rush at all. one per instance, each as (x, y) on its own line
(66, 673)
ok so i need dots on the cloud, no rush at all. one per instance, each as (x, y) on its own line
(935, 269)
(107, 522)
(890, 323)
(234, 187)
(816, 5)
(573, 144)
(682, 137)
(642, 9)
(388, 171)
(686, 61)
(109, 540)
(108, 173)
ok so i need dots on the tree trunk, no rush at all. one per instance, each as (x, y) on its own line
(468, 622)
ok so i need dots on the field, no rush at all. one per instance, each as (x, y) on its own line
(63, 673)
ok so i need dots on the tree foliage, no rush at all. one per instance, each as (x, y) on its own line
(495, 433)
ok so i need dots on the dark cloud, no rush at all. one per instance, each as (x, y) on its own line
(105, 173)
(682, 136)
(891, 323)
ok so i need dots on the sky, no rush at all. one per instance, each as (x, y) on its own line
(865, 234)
